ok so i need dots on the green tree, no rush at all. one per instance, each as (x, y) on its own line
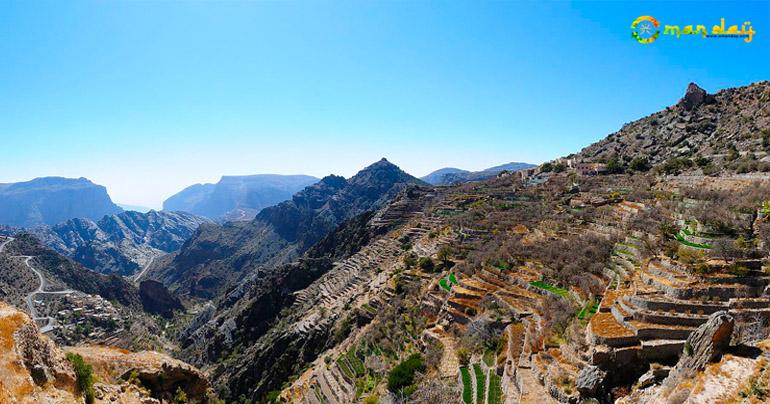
(402, 375)
(546, 167)
(640, 164)
(614, 166)
(443, 254)
(426, 264)
(84, 374)
(410, 260)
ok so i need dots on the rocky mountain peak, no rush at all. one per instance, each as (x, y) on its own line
(695, 96)
(383, 172)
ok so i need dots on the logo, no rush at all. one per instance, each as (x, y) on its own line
(645, 30)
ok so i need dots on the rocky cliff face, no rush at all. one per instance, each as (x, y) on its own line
(218, 256)
(53, 200)
(237, 197)
(157, 299)
(122, 243)
(35, 370)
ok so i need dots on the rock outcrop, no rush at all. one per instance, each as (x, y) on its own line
(705, 345)
(695, 97)
(590, 380)
(156, 372)
(36, 370)
(33, 369)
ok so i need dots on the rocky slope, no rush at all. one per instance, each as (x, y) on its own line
(62, 273)
(216, 257)
(123, 243)
(36, 370)
(706, 132)
(52, 200)
(266, 330)
(237, 197)
(449, 175)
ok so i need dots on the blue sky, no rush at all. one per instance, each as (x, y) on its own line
(148, 97)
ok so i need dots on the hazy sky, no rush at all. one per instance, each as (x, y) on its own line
(149, 97)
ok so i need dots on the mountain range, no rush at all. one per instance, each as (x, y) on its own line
(451, 175)
(51, 200)
(430, 271)
(237, 197)
(122, 244)
(217, 256)
(645, 282)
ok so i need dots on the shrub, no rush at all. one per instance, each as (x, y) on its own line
(180, 397)
(373, 399)
(410, 260)
(614, 166)
(463, 356)
(640, 164)
(675, 166)
(425, 264)
(402, 375)
(84, 374)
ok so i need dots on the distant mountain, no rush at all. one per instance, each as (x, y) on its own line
(217, 256)
(136, 208)
(122, 243)
(237, 197)
(450, 175)
(437, 177)
(52, 200)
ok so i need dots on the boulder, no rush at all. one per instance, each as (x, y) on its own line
(705, 345)
(590, 380)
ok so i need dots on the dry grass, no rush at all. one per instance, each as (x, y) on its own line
(605, 325)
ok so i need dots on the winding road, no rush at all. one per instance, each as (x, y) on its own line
(40, 290)
(2, 246)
